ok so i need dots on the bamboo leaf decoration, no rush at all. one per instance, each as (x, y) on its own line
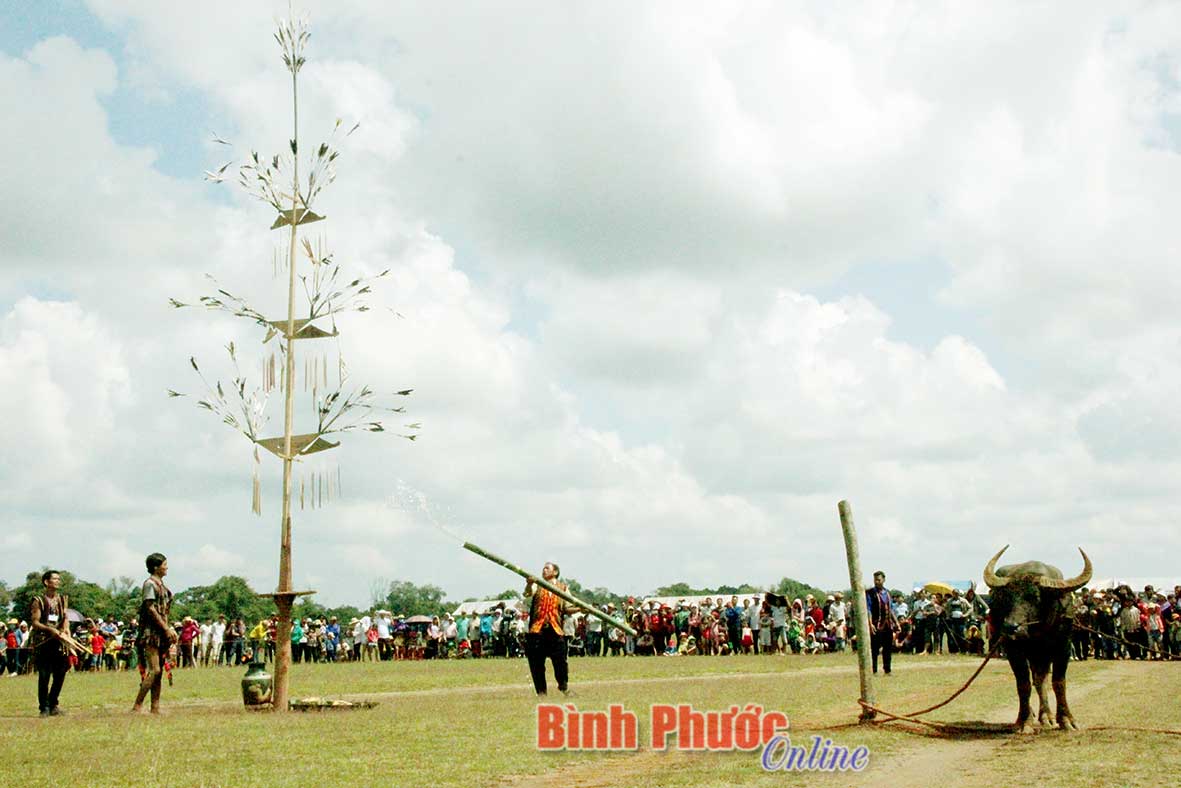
(328, 290)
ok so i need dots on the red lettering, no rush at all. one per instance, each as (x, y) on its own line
(690, 728)
(624, 728)
(594, 730)
(549, 726)
(664, 722)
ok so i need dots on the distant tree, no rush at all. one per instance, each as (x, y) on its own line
(409, 599)
(125, 597)
(680, 589)
(793, 589)
(5, 597)
(597, 596)
(508, 593)
(379, 588)
(230, 596)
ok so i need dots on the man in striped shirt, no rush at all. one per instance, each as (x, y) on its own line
(546, 636)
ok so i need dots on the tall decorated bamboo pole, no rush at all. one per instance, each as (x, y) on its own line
(548, 586)
(242, 405)
(860, 608)
(283, 598)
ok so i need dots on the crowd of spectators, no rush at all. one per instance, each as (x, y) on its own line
(1111, 624)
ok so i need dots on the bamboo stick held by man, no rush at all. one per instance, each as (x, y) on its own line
(49, 643)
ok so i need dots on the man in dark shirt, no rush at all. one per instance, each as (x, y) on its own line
(882, 622)
(47, 614)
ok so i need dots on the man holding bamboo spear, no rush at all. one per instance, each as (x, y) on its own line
(50, 635)
(546, 636)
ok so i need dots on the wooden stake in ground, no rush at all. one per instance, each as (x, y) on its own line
(860, 610)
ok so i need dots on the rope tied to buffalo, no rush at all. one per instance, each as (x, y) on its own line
(948, 730)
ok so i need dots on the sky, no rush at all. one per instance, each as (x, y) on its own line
(668, 281)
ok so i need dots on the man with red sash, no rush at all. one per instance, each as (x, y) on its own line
(156, 634)
(546, 635)
(48, 616)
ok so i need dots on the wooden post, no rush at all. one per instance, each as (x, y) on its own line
(860, 609)
(283, 598)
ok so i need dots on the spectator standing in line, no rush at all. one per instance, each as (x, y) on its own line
(461, 625)
(188, 639)
(98, 647)
(839, 612)
(258, 639)
(12, 642)
(778, 623)
(331, 639)
(358, 638)
(755, 621)
(297, 640)
(229, 648)
(217, 640)
(205, 642)
(594, 636)
(451, 633)
(385, 637)
(957, 611)
(733, 615)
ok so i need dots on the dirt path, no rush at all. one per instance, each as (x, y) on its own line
(932, 759)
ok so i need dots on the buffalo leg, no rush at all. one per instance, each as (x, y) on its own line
(1021, 672)
(1041, 670)
(1065, 718)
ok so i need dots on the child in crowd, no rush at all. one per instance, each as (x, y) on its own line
(371, 643)
(1155, 631)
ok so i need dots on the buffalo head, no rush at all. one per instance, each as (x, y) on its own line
(1031, 594)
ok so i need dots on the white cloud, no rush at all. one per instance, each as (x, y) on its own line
(606, 248)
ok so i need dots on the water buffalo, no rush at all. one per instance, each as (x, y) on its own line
(1031, 608)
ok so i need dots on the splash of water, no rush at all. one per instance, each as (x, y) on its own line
(415, 503)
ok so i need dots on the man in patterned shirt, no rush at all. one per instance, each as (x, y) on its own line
(546, 636)
(156, 634)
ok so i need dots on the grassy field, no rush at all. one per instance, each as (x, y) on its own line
(473, 723)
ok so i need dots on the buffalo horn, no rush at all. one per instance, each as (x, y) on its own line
(1074, 582)
(991, 578)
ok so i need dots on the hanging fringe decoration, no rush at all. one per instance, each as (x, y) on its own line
(256, 492)
(301, 493)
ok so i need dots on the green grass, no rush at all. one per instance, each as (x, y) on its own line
(473, 723)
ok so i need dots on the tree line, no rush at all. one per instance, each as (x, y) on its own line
(233, 597)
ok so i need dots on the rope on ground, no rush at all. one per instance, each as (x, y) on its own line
(947, 729)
